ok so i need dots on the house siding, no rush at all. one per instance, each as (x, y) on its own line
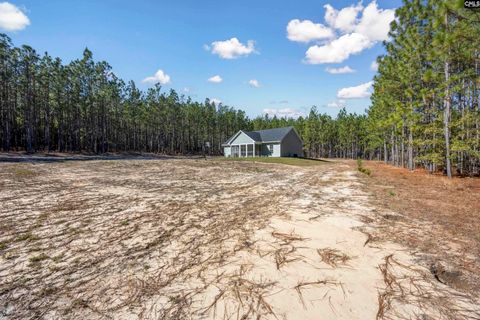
(242, 139)
(292, 145)
(276, 150)
(227, 151)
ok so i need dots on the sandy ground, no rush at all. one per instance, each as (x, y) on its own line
(196, 239)
(438, 217)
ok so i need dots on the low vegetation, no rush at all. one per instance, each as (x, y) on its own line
(302, 162)
(362, 169)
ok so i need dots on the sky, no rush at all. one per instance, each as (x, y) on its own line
(261, 56)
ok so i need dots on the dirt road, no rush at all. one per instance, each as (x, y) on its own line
(196, 239)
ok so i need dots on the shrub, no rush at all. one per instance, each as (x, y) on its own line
(363, 169)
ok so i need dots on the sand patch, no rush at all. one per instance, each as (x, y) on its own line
(196, 239)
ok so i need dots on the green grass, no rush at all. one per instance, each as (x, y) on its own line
(36, 261)
(362, 169)
(27, 237)
(58, 258)
(301, 162)
(23, 172)
(3, 245)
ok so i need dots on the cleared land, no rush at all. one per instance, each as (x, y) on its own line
(215, 239)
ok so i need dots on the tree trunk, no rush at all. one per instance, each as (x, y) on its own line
(446, 114)
(410, 148)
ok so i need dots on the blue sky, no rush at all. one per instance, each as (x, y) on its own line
(138, 38)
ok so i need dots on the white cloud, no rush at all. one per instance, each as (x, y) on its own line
(354, 28)
(284, 112)
(338, 50)
(12, 18)
(306, 31)
(215, 101)
(341, 70)
(231, 49)
(337, 104)
(358, 92)
(375, 23)
(215, 79)
(159, 77)
(344, 19)
(254, 83)
(374, 66)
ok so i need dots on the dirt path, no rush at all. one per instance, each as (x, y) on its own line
(320, 261)
(195, 239)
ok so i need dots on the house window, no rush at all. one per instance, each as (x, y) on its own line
(243, 150)
(270, 148)
(250, 150)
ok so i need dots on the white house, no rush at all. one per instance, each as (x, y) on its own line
(278, 142)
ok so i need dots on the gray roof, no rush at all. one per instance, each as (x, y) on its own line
(269, 135)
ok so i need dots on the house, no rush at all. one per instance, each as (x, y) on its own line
(278, 142)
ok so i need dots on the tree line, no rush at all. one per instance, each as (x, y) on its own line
(425, 107)
(324, 136)
(83, 106)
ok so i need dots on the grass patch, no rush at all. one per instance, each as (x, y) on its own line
(3, 245)
(23, 172)
(362, 169)
(58, 258)
(36, 261)
(48, 291)
(66, 206)
(301, 162)
(39, 258)
(27, 237)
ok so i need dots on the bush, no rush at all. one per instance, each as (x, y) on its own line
(362, 169)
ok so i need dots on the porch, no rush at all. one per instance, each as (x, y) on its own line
(246, 150)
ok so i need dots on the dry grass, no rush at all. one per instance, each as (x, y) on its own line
(409, 286)
(438, 217)
(305, 285)
(96, 239)
(284, 251)
(163, 239)
(333, 257)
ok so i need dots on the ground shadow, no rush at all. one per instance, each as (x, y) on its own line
(50, 158)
